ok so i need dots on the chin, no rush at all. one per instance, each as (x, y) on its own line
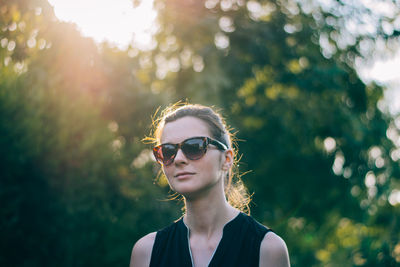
(192, 192)
(185, 191)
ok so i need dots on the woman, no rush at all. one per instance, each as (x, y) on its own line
(196, 154)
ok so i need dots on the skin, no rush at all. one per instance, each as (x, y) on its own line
(201, 183)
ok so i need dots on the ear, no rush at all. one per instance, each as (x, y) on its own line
(227, 160)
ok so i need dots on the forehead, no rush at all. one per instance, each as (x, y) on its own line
(184, 128)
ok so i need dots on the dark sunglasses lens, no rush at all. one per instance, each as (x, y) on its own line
(168, 153)
(158, 154)
(194, 148)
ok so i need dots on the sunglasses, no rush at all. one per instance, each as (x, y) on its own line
(193, 148)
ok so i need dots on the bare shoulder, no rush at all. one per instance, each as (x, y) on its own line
(141, 251)
(273, 251)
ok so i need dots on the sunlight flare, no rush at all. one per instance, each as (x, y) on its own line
(116, 22)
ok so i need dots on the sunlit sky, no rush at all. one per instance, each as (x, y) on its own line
(387, 73)
(119, 23)
(104, 20)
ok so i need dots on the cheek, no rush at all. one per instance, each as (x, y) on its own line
(217, 162)
(213, 165)
(167, 171)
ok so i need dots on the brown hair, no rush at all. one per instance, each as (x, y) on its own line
(235, 191)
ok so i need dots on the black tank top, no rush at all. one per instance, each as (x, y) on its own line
(239, 245)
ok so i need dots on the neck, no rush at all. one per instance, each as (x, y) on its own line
(208, 213)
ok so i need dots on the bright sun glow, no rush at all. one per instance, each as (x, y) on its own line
(386, 72)
(116, 22)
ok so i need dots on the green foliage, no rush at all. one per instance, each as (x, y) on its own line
(80, 187)
(290, 94)
(73, 197)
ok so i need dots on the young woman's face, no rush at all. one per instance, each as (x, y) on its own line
(193, 177)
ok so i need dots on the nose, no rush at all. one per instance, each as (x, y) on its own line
(180, 157)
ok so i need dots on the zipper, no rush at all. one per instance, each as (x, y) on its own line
(188, 239)
(190, 250)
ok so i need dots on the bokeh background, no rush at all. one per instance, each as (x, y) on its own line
(319, 144)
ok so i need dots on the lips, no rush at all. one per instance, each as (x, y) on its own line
(183, 174)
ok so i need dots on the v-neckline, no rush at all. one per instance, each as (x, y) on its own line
(219, 243)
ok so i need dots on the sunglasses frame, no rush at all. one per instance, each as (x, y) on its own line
(157, 150)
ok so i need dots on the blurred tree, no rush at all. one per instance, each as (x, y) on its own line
(283, 71)
(79, 185)
(75, 185)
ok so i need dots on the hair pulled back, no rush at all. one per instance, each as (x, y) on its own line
(235, 191)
